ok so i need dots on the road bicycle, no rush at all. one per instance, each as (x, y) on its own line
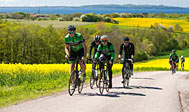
(75, 80)
(94, 74)
(127, 73)
(104, 79)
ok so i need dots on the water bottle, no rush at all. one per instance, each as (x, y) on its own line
(79, 74)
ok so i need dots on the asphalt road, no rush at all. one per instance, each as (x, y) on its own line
(148, 92)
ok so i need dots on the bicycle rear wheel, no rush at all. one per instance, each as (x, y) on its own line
(101, 82)
(106, 81)
(72, 83)
(92, 79)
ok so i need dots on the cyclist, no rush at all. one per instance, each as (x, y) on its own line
(94, 45)
(105, 51)
(75, 47)
(182, 62)
(129, 52)
(173, 57)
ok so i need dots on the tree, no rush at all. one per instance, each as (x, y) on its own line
(178, 28)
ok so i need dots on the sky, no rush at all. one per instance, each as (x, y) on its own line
(180, 3)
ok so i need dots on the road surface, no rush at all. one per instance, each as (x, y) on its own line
(148, 92)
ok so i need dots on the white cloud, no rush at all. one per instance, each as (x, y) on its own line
(7, 0)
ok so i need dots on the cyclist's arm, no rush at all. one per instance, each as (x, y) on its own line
(121, 49)
(85, 48)
(112, 52)
(90, 49)
(67, 49)
(133, 49)
(99, 50)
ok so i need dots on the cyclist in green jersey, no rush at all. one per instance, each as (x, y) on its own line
(75, 47)
(173, 57)
(105, 51)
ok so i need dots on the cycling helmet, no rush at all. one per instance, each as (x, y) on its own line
(182, 57)
(104, 37)
(97, 38)
(71, 28)
(126, 39)
(173, 51)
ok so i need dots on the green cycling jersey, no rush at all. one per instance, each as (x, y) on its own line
(173, 57)
(74, 42)
(107, 50)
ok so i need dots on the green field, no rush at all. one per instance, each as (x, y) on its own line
(55, 23)
(165, 55)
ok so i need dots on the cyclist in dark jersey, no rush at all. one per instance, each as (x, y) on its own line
(105, 51)
(75, 47)
(129, 51)
(173, 57)
(94, 45)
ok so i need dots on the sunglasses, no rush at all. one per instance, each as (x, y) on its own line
(126, 42)
(104, 41)
(71, 32)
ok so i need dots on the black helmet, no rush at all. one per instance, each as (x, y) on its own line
(173, 51)
(96, 38)
(71, 28)
(126, 39)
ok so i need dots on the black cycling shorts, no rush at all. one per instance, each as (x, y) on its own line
(76, 54)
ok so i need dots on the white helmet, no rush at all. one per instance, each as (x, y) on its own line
(104, 37)
(181, 56)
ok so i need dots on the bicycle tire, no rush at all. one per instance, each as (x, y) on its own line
(73, 75)
(92, 78)
(80, 86)
(97, 78)
(106, 81)
(124, 77)
(101, 82)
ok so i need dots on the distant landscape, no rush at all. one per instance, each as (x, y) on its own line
(97, 9)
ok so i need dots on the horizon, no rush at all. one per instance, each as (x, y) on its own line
(86, 5)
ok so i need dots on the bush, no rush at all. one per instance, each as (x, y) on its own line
(76, 19)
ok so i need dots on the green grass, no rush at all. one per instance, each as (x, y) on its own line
(165, 55)
(22, 87)
(55, 23)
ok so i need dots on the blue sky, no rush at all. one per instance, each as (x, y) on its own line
(181, 3)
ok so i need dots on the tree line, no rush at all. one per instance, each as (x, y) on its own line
(91, 17)
(33, 44)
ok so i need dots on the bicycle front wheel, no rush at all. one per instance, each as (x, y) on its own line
(72, 83)
(124, 78)
(101, 82)
(80, 86)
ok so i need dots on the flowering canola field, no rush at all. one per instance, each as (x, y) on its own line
(20, 82)
(147, 22)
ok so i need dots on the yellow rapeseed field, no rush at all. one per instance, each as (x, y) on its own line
(50, 68)
(147, 22)
(160, 63)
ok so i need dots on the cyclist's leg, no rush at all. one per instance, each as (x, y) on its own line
(72, 60)
(124, 65)
(170, 64)
(82, 63)
(131, 67)
(110, 73)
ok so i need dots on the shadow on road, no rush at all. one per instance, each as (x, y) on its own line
(142, 78)
(113, 94)
(138, 87)
(97, 94)
(124, 93)
(145, 87)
